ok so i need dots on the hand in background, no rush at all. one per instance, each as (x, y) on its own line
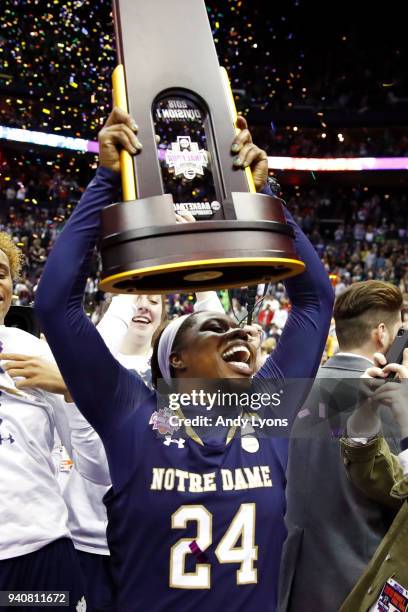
(34, 372)
(393, 395)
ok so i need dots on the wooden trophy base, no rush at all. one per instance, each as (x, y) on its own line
(145, 251)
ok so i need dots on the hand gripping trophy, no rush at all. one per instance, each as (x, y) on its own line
(169, 79)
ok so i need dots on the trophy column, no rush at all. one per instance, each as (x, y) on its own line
(169, 79)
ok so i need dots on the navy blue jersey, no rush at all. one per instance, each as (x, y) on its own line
(199, 526)
(190, 525)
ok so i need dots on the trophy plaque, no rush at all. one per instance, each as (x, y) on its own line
(169, 79)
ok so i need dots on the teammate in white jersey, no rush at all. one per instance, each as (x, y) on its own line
(36, 551)
(128, 327)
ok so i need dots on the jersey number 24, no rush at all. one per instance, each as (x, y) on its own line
(241, 528)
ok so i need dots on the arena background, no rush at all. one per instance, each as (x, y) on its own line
(314, 81)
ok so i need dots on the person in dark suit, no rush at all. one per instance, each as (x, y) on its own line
(333, 529)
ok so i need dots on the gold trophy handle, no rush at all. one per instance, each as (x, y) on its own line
(234, 116)
(127, 172)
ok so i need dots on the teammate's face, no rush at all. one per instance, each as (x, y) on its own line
(147, 317)
(6, 286)
(214, 347)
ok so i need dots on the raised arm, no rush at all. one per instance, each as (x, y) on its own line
(208, 300)
(114, 324)
(294, 362)
(103, 390)
(302, 342)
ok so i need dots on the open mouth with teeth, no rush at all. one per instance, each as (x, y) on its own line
(141, 319)
(238, 357)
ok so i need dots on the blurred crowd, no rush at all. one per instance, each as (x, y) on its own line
(294, 141)
(276, 139)
(360, 233)
(300, 68)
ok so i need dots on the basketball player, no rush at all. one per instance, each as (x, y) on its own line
(192, 524)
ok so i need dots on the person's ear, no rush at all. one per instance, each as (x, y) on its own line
(380, 336)
(177, 362)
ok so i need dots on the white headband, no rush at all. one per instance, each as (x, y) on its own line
(166, 345)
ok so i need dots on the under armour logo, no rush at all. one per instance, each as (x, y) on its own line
(169, 440)
(8, 438)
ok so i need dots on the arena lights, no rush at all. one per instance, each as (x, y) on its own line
(48, 140)
(337, 164)
(311, 164)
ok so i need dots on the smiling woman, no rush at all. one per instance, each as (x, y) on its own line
(192, 524)
(150, 315)
(203, 345)
(11, 259)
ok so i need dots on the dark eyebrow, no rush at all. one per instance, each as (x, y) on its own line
(219, 320)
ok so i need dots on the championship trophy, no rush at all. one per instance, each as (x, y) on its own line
(169, 79)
